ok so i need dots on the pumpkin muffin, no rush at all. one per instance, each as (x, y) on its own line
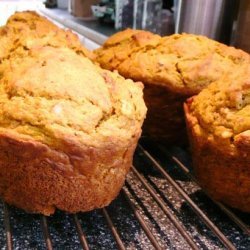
(121, 45)
(27, 30)
(68, 131)
(218, 122)
(172, 69)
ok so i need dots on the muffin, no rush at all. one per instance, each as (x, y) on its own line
(218, 122)
(68, 131)
(27, 30)
(172, 69)
(121, 45)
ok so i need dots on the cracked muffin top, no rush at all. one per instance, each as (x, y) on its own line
(222, 110)
(52, 95)
(27, 30)
(122, 44)
(183, 63)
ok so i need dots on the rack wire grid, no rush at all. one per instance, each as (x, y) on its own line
(161, 206)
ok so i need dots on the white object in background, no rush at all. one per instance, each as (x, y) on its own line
(63, 4)
(90, 44)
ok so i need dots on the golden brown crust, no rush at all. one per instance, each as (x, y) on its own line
(218, 124)
(68, 130)
(39, 179)
(121, 45)
(179, 65)
(27, 30)
(183, 63)
(225, 177)
(120, 37)
(77, 94)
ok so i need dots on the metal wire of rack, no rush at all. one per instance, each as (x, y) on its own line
(158, 219)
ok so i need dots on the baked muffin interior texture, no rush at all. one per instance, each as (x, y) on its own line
(183, 63)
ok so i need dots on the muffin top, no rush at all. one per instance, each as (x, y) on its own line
(222, 110)
(122, 44)
(27, 30)
(183, 63)
(54, 96)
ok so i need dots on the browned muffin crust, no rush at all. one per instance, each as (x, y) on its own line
(121, 45)
(172, 68)
(218, 122)
(68, 130)
(183, 64)
(27, 30)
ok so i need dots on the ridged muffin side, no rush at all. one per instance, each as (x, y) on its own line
(218, 122)
(68, 131)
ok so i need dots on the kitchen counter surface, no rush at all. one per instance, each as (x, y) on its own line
(90, 29)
